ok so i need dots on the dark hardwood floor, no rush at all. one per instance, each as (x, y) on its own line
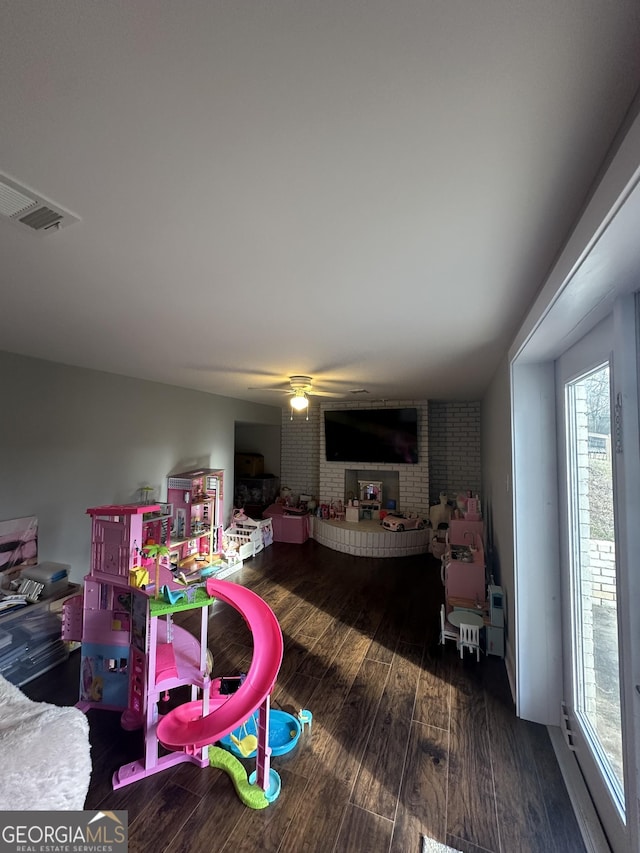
(406, 738)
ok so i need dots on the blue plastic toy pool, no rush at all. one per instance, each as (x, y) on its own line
(284, 732)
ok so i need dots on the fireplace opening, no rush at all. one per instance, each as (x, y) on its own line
(380, 488)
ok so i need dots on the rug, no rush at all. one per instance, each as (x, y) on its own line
(430, 845)
(45, 752)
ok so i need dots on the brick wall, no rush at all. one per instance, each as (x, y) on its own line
(449, 445)
(454, 448)
(413, 479)
(598, 590)
(603, 572)
(300, 454)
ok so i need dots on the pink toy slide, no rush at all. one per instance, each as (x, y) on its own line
(185, 726)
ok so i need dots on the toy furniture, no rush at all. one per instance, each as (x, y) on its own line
(469, 623)
(287, 527)
(133, 653)
(248, 535)
(337, 510)
(495, 630)
(352, 514)
(463, 571)
(469, 639)
(447, 630)
(464, 532)
(196, 525)
(306, 718)
(191, 728)
(495, 640)
(370, 498)
(114, 606)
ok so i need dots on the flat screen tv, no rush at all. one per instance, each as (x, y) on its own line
(371, 435)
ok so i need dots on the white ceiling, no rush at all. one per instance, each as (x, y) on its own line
(370, 193)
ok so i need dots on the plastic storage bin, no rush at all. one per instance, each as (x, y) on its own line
(256, 491)
(34, 645)
(31, 638)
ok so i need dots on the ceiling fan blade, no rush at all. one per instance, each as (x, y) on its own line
(301, 383)
(335, 394)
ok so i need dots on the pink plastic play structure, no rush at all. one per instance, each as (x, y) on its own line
(133, 653)
(190, 727)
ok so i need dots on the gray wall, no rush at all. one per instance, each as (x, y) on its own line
(72, 438)
(497, 479)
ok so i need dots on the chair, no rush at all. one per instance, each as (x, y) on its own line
(447, 630)
(469, 639)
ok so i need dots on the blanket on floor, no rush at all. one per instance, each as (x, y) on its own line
(46, 762)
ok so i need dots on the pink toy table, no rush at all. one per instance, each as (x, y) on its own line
(287, 528)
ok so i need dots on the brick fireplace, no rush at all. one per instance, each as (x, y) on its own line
(407, 484)
(305, 469)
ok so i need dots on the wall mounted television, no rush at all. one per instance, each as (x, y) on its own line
(371, 435)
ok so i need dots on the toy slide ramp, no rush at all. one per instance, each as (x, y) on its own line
(185, 725)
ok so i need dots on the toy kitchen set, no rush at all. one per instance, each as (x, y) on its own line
(463, 574)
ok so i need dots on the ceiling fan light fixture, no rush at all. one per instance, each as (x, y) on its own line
(299, 401)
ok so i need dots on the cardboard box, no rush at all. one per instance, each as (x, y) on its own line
(249, 464)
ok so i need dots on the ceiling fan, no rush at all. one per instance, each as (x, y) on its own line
(300, 388)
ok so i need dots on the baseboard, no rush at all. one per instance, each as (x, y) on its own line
(511, 675)
(592, 834)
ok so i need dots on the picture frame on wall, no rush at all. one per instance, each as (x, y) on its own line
(18, 544)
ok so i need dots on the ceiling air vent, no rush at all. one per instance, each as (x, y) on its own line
(30, 211)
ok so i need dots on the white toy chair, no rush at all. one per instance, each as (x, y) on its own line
(470, 639)
(447, 630)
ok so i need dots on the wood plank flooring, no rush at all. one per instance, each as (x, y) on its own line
(406, 738)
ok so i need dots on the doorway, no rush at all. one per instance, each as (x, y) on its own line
(591, 612)
(576, 422)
